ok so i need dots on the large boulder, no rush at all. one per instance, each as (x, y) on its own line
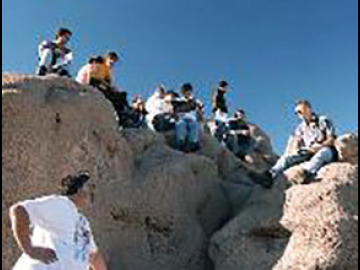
(348, 148)
(254, 239)
(155, 208)
(323, 219)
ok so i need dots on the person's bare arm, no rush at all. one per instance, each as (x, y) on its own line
(20, 222)
(97, 261)
(21, 227)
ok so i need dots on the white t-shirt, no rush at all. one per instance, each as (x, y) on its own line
(58, 225)
(83, 76)
(154, 106)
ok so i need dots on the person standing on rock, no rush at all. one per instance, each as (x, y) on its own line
(54, 56)
(53, 234)
(315, 138)
(220, 110)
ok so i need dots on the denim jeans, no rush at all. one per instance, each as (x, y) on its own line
(312, 163)
(186, 130)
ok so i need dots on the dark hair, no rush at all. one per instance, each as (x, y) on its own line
(304, 102)
(223, 84)
(71, 184)
(242, 111)
(113, 55)
(100, 60)
(137, 98)
(92, 60)
(96, 60)
(62, 32)
(161, 88)
(187, 87)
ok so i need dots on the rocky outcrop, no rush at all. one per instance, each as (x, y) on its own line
(348, 148)
(155, 208)
(323, 219)
(159, 209)
(254, 239)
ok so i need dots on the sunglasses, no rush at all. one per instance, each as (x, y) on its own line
(299, 113)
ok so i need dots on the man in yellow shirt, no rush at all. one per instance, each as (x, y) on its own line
(99, 74)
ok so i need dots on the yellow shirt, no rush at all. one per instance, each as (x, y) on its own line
(101, 72)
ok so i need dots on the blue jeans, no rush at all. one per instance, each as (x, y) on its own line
(313, 163)
(186, 130)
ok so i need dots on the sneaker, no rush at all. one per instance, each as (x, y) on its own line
(309, 177)
(194, 147)
(265, 179)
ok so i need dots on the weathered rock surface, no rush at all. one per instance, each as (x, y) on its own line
(323, 218)
(348, 148)
(159, 209)
(254, 239)
(155, 208)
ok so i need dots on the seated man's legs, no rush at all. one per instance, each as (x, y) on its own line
(245, 146)
(193, 130)
(232, 143)
(286, 162)
(180, 134)
(193, 134)
(321, 158)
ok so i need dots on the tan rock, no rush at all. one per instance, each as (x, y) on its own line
(155, 208)
(254, 239)
(347, 146)
(323, 218)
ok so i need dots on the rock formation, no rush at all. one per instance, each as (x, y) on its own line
(159, 209)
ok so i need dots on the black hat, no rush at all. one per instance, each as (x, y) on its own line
(187, 87)
(63, 31)
(73, 183)
(223, 84)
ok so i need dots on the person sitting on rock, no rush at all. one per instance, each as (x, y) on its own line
(53, 234)
(54, 56)
(83, 76)
(99, 74)
(315, 138)
(187, 135)
(238, 138)
(220, 110)
(155, 106)
(138, 113)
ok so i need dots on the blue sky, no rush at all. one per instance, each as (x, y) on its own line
(273, 52)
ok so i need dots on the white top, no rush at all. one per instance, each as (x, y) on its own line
(316, 132)
(154, 106)
(58, 225)
(221, 116)
(83, 76)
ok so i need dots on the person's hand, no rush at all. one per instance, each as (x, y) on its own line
(315, 148)
(44, 255)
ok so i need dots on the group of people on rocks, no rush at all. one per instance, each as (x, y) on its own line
(164, 111)
(51, 231)
(183, 113)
